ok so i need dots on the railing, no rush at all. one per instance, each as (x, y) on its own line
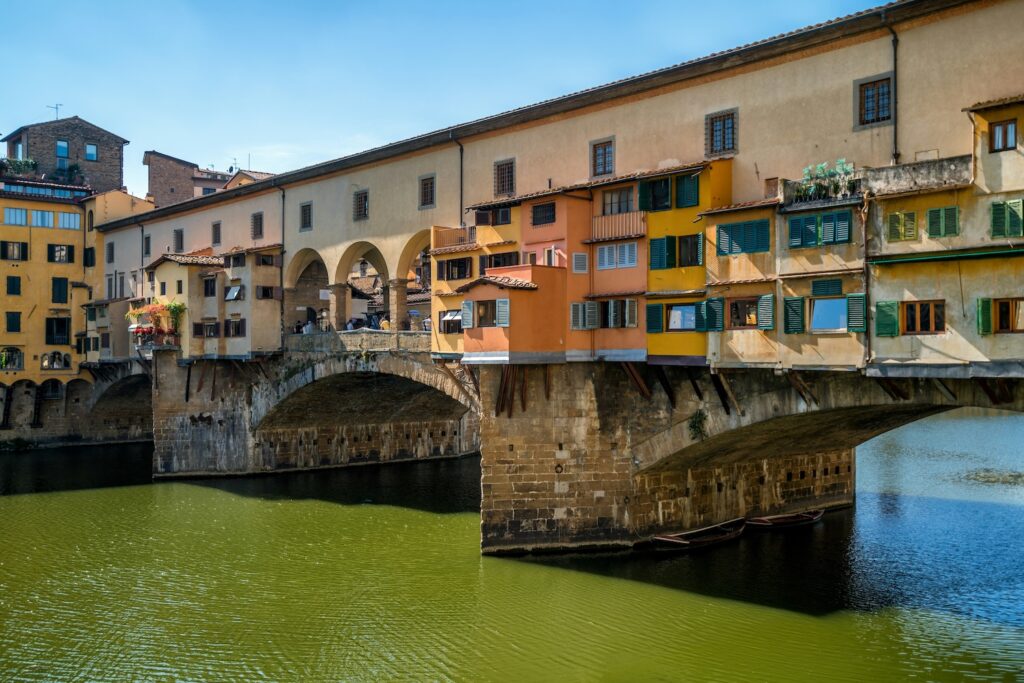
(619, 225)
(358, 340)
(450, 237)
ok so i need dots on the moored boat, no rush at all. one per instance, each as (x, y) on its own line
(698, 538)
(786, 521)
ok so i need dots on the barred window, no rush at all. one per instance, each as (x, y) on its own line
(306, 216)
(256, 225)
(504, 177)
(427, 191)
(720, 133)
(360, 205)
(602, 158)
(875, 98)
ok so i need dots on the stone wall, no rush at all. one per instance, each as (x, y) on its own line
(104, 174)
(170, 180)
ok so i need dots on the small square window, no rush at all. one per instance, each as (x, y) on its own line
(91, 152)
(543, 214)
(234, 293)
(742, 314)
(602, 158)
(1002, 136)
(306, 216)
(681, 317)
(360, 205)
(829, 315)
(720, 133)
(873, 100)
(62, 149)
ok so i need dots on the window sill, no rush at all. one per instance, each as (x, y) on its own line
(426, 207)
(309, 229)
(867, 126)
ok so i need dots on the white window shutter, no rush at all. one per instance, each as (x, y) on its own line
(579, 262)
(501, 313)
(467, 314)
(613, 314)
(627, 255)
(630, 312)
(592, 315)
(576, 316)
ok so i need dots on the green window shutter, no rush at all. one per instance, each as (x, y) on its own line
(687, 191)
(655, 318)
(763, 235)
(856, 313)
(71, 253)
(999, 219)
(1015, 218)
(467, 315)
(657, 256)
(826, 287)
(935, 222)
(895, 227)
(796, 227)
(724, 241)
(793, 315)
(501, 313)
(51, 253)
(671, 250)
(700, 249)
(828, 228)
(700, 316)
(714, 314)
(887, 319)
(645, 195)
(951, 220)
(909, 225)
(984, 316)
(844, 221)
(766, 312)
(809, 232)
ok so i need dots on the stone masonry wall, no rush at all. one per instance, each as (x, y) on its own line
(104, 174)
(170, 181)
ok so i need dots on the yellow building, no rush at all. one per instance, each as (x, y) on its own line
(41, 266)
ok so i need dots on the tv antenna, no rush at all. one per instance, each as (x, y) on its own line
(56, 110)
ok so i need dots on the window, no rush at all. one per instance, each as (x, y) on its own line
(622, 255)
(265, 292)
(179, 287)
(104, 340)
(720, 133)
(306, 216)
(234, 293)
(543, 214)
(508, 258)
(618, 313)
(828, 315)
(256, 225)
(1002, 136)
(146, 245)
(92, 153)
(234, 328)
(455, 269)
(502, 216)
(551, 257)
(12, 359)
(874, 98)
(681, 317)
(744, 238)
(209, 190)
(62, 149)
(151, 277)
(14, 251)
(163, 289)
(1009, 315)
(451, 322)
(691, 250)
(13, 322)
(1008, 218)
(687, 190)
(59, 290)
(179, 240)
(742, 314)
(42, 219)
(89, 257)
(580, 262)
(60, 253)
(616, 201)
(69, 221)
(360, 205)
(826, 228)
(90, 314)
(602, 158)
(215, 233)
(585, 316)
(14, 285)
(655, 195)
(504, 177)
(944, 222)
(110, 252)
(427, 184)
(211, 329)
(58, 331)
(236, 261)
(15, 216)
(485, 313)
(902, 226)
(209, 287)
(924, 317)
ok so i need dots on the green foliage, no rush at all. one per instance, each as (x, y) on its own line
(697, 425)
(819, 181)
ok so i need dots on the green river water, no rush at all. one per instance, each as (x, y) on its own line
(374, 574)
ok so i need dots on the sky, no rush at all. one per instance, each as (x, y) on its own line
(275, 86)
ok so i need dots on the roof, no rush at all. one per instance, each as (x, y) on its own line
(597, 182)
(455, 248)
(367, 284)
(809, 37)
(499, 280)
(153, 152)
(188, 260)
(992, 104)
(70, 119)
(755, 204)
(251, 250)
(255, 175)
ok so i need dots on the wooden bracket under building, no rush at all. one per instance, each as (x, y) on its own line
(188, 381)
(892, 389)
(522, 390)
(802, 387)
(944, 389)
(691, 374)
(723, 397)
(998, 391)
(637, 379)
(547, 382)
(202, 377)
(659, 372)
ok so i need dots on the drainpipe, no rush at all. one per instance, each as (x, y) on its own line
(462, 154)
(142, 256)
(280, 271)
(895, 95)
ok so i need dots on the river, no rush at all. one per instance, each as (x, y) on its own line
(374, 573)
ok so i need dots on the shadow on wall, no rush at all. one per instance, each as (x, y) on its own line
(75, 468)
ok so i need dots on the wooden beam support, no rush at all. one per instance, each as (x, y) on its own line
(213, 382)
(894, 390)
(802, 388)
(691, 374)
(728, 392)
(723, 398)
(638, 381)
(522, 390)
(499, 403)
(998, 394)
(547, 382)
(659, 372)
(510, 399)
(944, 389)
(202, 376)
(188, 381)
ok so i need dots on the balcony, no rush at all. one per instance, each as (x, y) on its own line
(931, 175)
(452, 237)
(618, 226)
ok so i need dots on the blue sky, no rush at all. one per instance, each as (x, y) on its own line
(295, 83)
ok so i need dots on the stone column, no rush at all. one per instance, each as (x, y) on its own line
(341, 304)
(396, 293)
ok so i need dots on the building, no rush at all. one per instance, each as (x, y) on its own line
(70, 150)
(245, 177)
(173, 180)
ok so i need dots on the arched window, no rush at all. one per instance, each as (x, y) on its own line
(12, 359)
(56, 361)
(88, 220)
(52, 389)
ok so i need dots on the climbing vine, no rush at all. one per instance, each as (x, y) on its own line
(698, 425)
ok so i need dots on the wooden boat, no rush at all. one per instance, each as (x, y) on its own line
(786, 521)
(699, 538)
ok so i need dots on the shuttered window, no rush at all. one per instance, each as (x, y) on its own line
(827, 228)
(943, 222)
(691, 250)
(714, 314)
(580, 262)
(60, 290)
(592, 315)
(606, 255)
(1007, 218)
(663, 252)
(256, 225)
(626, 256)
(826, 287)
(887, 319)
(655, 195)
(793, 315)
(766, 312)
(631, 311)
(856, 313)
(902, 226)
(687, 190)
(179, 241)
(501, 313)
(468, 312)
(984, 316)
(655, 318)
(744, 238)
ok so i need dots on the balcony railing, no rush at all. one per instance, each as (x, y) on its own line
(451, 237)
(619, 225)
(358, 340)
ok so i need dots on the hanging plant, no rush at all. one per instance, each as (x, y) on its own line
(697, 425)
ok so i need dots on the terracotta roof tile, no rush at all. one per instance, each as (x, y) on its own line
(500, 280)
(991, 104)
(755, 204)
(455, 248)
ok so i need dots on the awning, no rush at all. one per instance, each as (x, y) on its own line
(453, 315)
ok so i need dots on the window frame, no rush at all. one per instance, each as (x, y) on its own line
(422, 185)
(486, 313)
(917, 307)
(860, 87)
(67, 149)
(605, 147)
(730, 116)
(614, 199)
(545, 218)
(830, 330)
(729, 302)
(667, 327)
(361, 205)
(1015, 303)
(1009, 141)
(215, 233)
(95, 150)
(305, 216)
(209, 287)
(505, 182)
